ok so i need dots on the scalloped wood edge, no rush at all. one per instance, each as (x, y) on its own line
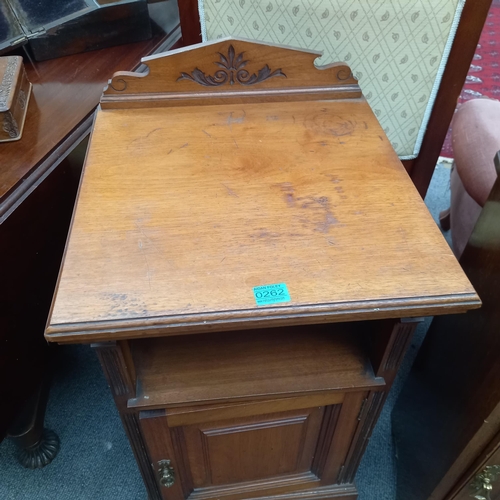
(232, 71)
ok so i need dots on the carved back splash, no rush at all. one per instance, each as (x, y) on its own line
(233, 70)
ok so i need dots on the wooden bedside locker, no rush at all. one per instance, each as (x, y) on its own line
(242, 196)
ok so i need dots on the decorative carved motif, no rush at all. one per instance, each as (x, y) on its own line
(232, 72)
(7, 81)
(42, 453)
(121, 87)
(22, 99)
(344, 74)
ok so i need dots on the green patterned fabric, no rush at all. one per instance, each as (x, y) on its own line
(396, 48)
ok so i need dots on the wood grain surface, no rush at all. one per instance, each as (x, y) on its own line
(464, 44)
(65, 91)
(182, 211)
(195, 68)
(256, 364)
(229, 70)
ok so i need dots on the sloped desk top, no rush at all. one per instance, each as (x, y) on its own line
(190, 198)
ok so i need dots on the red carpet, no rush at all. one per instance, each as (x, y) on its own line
(483, 79)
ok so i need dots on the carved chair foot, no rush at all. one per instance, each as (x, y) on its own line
(444, 219)
(42, 453)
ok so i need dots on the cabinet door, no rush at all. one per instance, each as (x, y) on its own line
(252, 449)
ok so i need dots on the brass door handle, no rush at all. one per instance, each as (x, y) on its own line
(166, 473)
(481, 485)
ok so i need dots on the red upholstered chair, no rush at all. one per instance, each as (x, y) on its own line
(476, 140)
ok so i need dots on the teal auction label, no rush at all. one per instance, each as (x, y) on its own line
(266, 295)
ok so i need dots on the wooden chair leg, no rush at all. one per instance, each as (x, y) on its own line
(445, 219)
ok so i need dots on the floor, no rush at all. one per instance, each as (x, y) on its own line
(95, 460)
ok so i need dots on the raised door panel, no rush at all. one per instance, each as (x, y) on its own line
(253, 448)
(242, 456)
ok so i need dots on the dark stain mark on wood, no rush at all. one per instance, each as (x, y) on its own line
(321, 206)
(235, 119)
(122, 304)
(230, 192)
(288, 192)
(205, 132)
(334, 178)
(324, 226)
(118, 296)
(263, 233)
(267, 234)
(184, 145)
(154, 130)
(327, 122)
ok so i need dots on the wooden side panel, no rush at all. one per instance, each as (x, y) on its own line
(342, 431)
(160, 443)
(368, 419)
(390, 341)
(115, 362)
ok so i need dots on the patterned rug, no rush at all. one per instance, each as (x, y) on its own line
(483, 79)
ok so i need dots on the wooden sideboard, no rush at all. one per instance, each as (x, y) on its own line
(248, 256)
(446, 421)
(37, 192)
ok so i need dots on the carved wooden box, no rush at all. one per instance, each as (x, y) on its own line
(15, 91)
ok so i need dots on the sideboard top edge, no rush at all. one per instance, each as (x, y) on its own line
(268, 316)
